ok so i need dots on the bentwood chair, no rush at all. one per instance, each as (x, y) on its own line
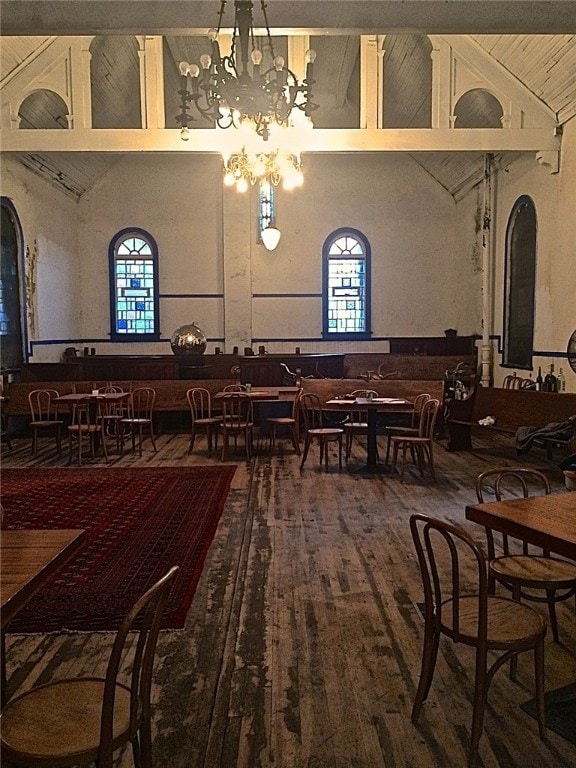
(44, 416)
(422, 444)
(291, 422)
(523, 572)
(140, 417)
(469, 615)
(410, 430)
(315, 429)
(237, 421)
(356, 423)
(111, 414)
(200, 404)
(234, 388)
(78, 721)
(86, 429)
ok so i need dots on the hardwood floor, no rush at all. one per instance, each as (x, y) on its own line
(302, 646)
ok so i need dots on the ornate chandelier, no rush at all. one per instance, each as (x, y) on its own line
(242, 169)
(224, 91)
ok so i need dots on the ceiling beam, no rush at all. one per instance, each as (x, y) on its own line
(177, 17)
(319, 140)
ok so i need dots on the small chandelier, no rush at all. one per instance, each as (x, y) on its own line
(244, 168)
(224, 91)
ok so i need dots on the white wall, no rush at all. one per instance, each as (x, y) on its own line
(554, 197)
(49, 223)
(421, 280)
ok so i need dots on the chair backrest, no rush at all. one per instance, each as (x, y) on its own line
(111, 389)
(86, 412)
(145, 617)
(419, 402)
(357, 415)
(42, 407)
(296, 403)
(497, 484)
(311, 410)
(141, 403)
(428, 416)
(236, 410)
(200, 403)
(447, 556)
(508, 481)
(234, 388)
(112, 407)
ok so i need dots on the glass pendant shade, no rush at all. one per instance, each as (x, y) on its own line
(270, 237)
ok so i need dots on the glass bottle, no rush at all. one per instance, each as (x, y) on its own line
(539, 380)
(550, 383)
(561, 381)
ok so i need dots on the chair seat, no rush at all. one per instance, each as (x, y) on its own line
(46, 423)
(534, 571)
(61, 720)
(326, 431)
(206, 420)
(282, 420)
(509, 623)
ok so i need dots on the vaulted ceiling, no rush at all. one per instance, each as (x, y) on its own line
(508, 33)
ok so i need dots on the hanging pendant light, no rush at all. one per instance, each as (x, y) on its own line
(270, 237)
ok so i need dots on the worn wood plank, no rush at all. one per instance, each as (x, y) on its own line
(302, 646)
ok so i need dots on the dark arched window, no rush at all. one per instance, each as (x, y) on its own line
(12, 310)
(134, 304)
(520, 283)
(346, 285)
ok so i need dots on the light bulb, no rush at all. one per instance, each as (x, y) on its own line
(310, 56)
(212, 34)
(242, 185)
(256, 56)
(228, 179)
(184, 68)
(194, 70)
(278, 63)
(205, 61)
(185, 133)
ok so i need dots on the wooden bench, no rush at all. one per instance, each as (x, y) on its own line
(170, 394)
(511, 409)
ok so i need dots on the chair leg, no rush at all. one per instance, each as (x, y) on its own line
(295, 441)
(58, 439)
(431, 462)
(514, 659)
(480, 684)
(305, 454)
(428, 664)
(34, 441)
(539, 687)
(340, 453)
(550, 596)
(192, 439)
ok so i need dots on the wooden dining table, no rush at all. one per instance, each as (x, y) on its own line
(545, 521)
(28, 560)
(372, 407)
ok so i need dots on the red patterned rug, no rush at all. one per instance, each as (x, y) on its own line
(139, 522)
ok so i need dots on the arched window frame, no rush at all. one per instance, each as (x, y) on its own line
(514, 304)
(115, 244)
(327, 258)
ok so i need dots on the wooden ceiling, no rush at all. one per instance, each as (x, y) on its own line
(509, 32)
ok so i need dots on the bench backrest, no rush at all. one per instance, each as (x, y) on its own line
(522, 407)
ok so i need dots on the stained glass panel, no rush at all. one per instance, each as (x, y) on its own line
(134, 287)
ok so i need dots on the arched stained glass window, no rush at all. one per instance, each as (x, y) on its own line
(134, 305)
(346, 285)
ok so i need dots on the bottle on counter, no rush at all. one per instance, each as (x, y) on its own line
(539, 380)
(550, 382)
(561, 379)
